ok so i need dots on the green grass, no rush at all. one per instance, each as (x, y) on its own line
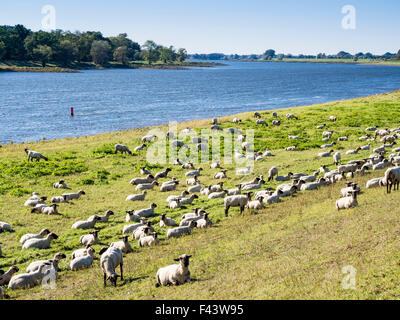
(292, 250)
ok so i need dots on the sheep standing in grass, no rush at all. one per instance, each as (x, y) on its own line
(140, 148)
(272, 173)
(347, 202)
(175, 274)
(35, 155)
(84, 261)
(28, 280)
(88, 224)
(149, 241)
(40, 243)
(337, 157)
(90, 239)
(6, 276)
(236, 201)
(110, 259)
(40, 235)
(392, 179)
(123, 245)
(34, 266)
(137, 197)
(123, 149)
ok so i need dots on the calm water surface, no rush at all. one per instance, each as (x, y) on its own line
(36, 105)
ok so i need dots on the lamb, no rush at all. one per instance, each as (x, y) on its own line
(90, 239)
(220, 175)
(123, 245)
(174, 274)
(148, 179)
(131, 216)
(148, 138)
(162, 174)
(205, 191)
(5, 277)
(256, 204)
(132, 227)
(35, 155)
(337, 157)
(325, 154)
(33, 202)
(391, 179)
(28, 280)
(34, 266)
(166, 222)
(180, 231)
(188, 200)
(123, 149)
(188, 220)
(60, 185)
(236, 120)
(196, 188)
(136, 197)
(204, 222)
(110, 259)
(40, 243)
(192, 181)
(148, 212)
(140, 148)
(272, 173)
(217, 187)
(347, 202)
(40, 235)
(72, 196)
(104, 218)
(42, 208)
(216, 195)
(236, 201)
(80, 252)
(84, 261)
(193, 173)
(149, 241)
(147, 186)
(88, 224)
(267, 153)
(347, 168)
(174, 204)
(141, 232)
(367, 147)
(4, 226)
(183, 194)
(59, 199)
(168, 187)
(310, 178)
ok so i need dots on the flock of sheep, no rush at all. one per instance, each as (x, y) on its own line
(240, 197)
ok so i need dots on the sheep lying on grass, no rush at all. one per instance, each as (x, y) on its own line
(84, 261)
(40, 235)
(34, 266)
(150, 240)
(175, 274)
(5, 277)
(29, 280)
(40, 243)
(123, 245)
(88, 224)
(347, 202)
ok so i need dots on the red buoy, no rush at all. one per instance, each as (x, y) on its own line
(72, 111)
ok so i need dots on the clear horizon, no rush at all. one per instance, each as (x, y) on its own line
(307, 27)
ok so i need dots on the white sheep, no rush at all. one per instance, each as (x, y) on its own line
(146, 213)
(104, 218)
(40, 243)
(180, 231)
(162, 174)
(220, 175)
(59, 199)
(149, 241)
(256, 204)
(72, 196)
(4, 226)
(35, 155)
(122, 148)
(80, 252)
(88, 224)
(204, 222)
(196, 188)
(29, 280)
(32, 202)
(216, 195)
(192, 181)
(149, 138)
(144, 171)
(166, 221)
(168, 187)
(272, 173)
(123, 245)
(236, 201)
(146, 186)
(347, 202)
(5, 277)
(325, 154)
(83, 262)
(34, 266)
(215, 165)
(135, 181)
(142, 232)
(60, 185)
(188, 200)
(40, 235)
(131, 216)
(291, 148)
(337, 157)
(193, 173)
(140, 148)
(90, 239)
(110, 259)
(174, 274)
(132, 227)
(137, 197)
(45, 209)
(391, 179)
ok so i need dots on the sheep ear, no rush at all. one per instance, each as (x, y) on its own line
(177, 259)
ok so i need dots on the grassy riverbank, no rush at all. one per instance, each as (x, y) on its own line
(16, 66)
(373, 62)
(292, 250)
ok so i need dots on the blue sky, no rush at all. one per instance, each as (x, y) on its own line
(228, 26)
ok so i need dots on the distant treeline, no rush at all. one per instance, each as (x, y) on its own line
(18, 43)
(271, 54)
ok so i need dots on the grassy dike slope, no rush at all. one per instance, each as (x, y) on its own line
(292, 250)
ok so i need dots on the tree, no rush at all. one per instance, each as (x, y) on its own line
(167, 54)
(398, 55)
(2, 50)
(43, 54)
(121, 54)
(122, 40)
(269, 54)
(100, 52)
(66, 52)
(151, 53)
(181, 55)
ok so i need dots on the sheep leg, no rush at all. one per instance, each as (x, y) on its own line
(241, 209)
(226, 211)
(105, 280)
(122, 273)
